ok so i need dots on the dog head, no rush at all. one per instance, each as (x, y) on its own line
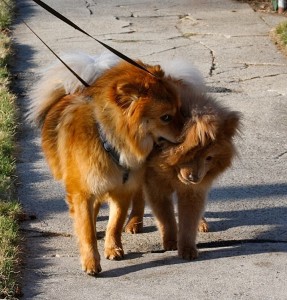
(207, 148)
(148, 105)
(156, 109)
(137, 110)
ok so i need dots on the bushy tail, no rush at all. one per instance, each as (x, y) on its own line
(57, 81)
(185, 71)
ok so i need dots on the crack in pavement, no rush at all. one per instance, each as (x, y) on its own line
(280, 155)
(165, 50)
(265, 22)
(227, 36)
(87, 5)
(258, 77)
(248, 64)
(128, 41)
(213, 63)
(212, 53)
(42, 233)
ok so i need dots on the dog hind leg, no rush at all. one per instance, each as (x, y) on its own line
(135, 221)
(85, 230)
(118, 213)
(203, 226)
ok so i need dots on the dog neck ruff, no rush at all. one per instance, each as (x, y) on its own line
(113, 153)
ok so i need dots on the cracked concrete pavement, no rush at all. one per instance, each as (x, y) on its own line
(244, 254)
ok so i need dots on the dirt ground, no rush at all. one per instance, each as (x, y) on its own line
(262, 6)
(267, 7)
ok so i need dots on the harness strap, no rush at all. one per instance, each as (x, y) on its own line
(112, 151)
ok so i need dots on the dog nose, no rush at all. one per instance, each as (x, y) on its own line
(193, 178)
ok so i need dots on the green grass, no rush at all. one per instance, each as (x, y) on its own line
(5, 14)
(279, 36)
(9, 250)
(9, 208)
(281, 31)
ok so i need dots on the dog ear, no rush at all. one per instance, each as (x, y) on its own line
(126, 93)
(198, 131)
(232, 124)
(201, 130)
(206, 128)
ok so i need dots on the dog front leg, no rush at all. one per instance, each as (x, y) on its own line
(85, 230)
(118, 213)
(190, 210)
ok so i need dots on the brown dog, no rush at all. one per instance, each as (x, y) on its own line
(206, 151)
(96, 139)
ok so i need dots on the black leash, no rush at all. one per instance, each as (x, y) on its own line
(69, 22)
(58, 57)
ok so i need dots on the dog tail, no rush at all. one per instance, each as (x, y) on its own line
(185, 71)
(57, 81)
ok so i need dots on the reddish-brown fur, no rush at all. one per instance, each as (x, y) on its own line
(128, 104)
(189, 169)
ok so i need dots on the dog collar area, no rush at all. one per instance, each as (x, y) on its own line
(113, 153)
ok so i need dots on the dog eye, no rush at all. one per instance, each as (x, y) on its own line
(166, 118)
(209, 158)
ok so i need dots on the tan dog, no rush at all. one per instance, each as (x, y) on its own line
(188, 169)
(96, 139)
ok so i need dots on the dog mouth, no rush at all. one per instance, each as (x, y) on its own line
(162, 141)
(183, 180)
(189, 180)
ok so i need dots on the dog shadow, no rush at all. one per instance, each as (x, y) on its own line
(271, 215)
(271, 240)
(122, 271)
(243, 249)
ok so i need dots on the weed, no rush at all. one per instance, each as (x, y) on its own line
(9, 209)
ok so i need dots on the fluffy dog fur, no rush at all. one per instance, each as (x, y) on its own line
(189, 169)
(132, 109)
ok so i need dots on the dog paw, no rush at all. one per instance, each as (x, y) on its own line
(134, 227)
(188, 253)
(170, 245)
(203, 226)
(91, 266)
(116, 253)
